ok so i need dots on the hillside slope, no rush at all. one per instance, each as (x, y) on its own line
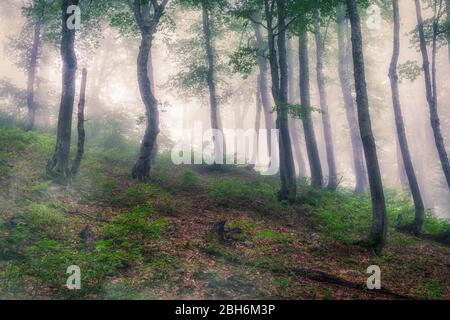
(159, 240)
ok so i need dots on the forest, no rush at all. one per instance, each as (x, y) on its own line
(224, 150)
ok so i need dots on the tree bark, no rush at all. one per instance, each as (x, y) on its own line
(344, 77)
(332, 175)
(263, 83)
(293, 123)
(151, 74)
(401, 133)
(431, 89)
(80, 125)
(308, 127)
(448, 27)
(57, 167)
(32, 75)
(219, 146)
(258, 109)
(402, 177)
(279, 72)
(148, 27)
(142, 167)
(379, 226)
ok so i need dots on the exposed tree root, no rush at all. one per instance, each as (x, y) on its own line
(318, 276)
(443, 238)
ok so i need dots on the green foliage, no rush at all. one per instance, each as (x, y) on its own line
(296, 111)
(409, 70)
(189, 180)
(271, 235)
(244, 60)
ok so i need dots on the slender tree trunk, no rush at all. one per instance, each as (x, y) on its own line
(151, 75)
(258, 109)
(448, 27)
(57, 166)
(379, 226)
(431, 89)
(279, 72)
(219, 148)
(80, 125)
(332, 175)
(293, 123)
(344, 77)
(263, 83)
(402, 177)
(308, 127)
(32, 75)
(402, 140)
(142, 167)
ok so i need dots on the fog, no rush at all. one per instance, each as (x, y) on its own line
(113, 93)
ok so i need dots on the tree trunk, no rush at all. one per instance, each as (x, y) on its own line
(258, 109)
(142, 167)
(332, 175)
(344, 77)
(279, 72)
(57, 167)
(80, 125)
(379, 226)
(263, 83)
(431, 90)
(308, 127)
(402, 139)
(293, 123)
(32, 75)
(219, 147)
(448, 27)
(151, 75)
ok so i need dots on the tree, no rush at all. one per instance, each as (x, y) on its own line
(219, 146)
(147, 16)
(379, 225)
(431, 81)
(344, 78)
(332, 175)
(448, 27)
(401, 134)
(280, 77)
(57, 166)
(293, 123)
(32, 75)
(305, 101)
(80, 125)
(262, 78)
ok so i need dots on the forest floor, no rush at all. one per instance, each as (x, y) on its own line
(157, 240)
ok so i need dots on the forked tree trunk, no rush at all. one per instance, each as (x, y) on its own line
(327, 132)
(148, 27)
(344, 77)
(32, 75)
(431, 89)
(401, 134)
(379, 226)
(287, 169)
(80, 125)
(219, 146)
(279, 72)
(308, 127)
(57, 167)
(142, 167)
